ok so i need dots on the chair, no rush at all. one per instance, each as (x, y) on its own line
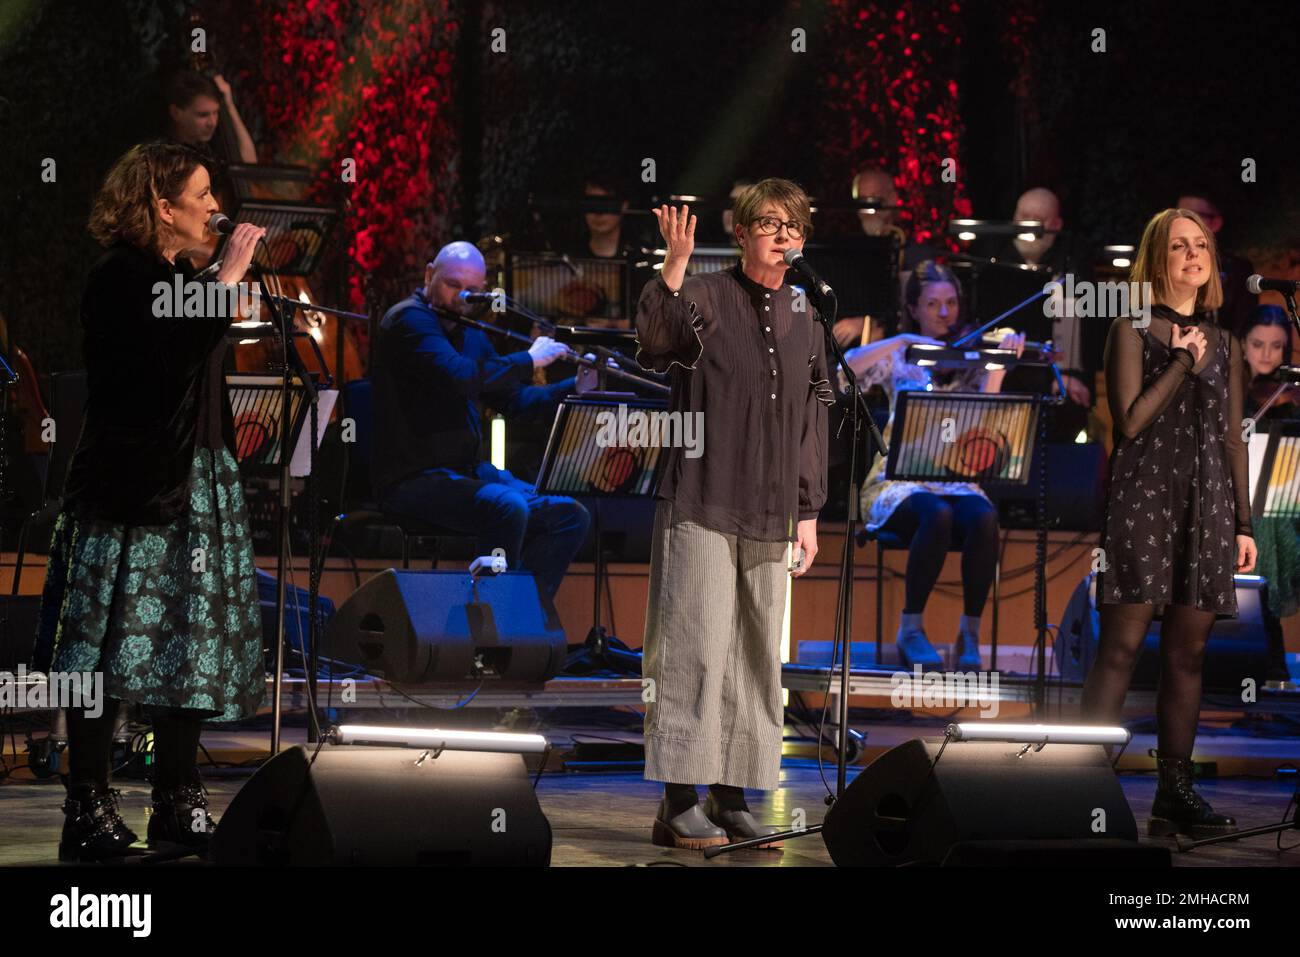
(67, 405)
(358, 405)
(888, 541)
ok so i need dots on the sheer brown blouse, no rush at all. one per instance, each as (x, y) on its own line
(749, 363)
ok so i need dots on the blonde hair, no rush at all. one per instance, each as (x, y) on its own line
(1152, 260)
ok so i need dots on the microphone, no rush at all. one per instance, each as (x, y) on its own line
(795, 259)
(1258, 284)
(466, 296)
(221, 223)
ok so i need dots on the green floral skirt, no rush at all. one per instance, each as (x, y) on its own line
(168, 614)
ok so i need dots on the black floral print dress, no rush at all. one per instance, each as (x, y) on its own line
(1178, 493)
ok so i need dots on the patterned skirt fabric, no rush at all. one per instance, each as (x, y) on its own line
(168, 614)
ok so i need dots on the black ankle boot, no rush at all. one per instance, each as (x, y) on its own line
(93, 829)
(180, 815)
(1178, 808)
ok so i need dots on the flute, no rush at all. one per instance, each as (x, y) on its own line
(570, 354)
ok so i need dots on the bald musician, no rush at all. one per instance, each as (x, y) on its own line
(429, 376)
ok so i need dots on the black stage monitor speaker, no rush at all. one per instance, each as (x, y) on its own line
(903, 808)
(420, 626)
(385, 806)
(1237, 649)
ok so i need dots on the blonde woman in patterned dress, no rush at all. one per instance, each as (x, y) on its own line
(1178, 521)
(930, 513)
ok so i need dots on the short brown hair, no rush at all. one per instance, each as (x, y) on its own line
(784, 193)
(184, 86)
(1153, 254)
(125, 209)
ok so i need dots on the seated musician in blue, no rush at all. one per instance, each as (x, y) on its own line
(429, 375)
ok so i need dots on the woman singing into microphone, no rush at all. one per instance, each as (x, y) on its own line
(150, 579)
(1178, 511)
(748, 363)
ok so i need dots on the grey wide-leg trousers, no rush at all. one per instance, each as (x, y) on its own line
(712, 649)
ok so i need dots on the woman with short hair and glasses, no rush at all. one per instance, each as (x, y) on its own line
(748, 362)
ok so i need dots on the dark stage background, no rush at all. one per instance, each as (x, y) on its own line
(450, 137)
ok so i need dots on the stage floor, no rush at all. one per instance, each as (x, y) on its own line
(604, 819)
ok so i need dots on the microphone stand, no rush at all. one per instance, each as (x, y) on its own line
(8, 379)
(281, 309)
(292, 364)
(842, 642)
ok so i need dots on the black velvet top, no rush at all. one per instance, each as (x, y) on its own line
(151, 382)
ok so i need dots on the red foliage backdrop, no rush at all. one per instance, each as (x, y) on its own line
(371, 81)
(892, 101)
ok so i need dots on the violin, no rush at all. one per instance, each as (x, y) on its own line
(1036, 353)
(1271, 392)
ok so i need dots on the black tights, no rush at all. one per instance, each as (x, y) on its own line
(1183, 635)
(90, 742)
(929, 521)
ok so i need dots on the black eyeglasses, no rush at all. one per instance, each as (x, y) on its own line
(770, 225)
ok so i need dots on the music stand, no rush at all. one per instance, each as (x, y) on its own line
(580, 462)
(1276, 492)
(255, 406)
(988, 438)
(554, 284)
(962, 437)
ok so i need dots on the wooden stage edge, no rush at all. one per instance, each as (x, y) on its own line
(813, 597)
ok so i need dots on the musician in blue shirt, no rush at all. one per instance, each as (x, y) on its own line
(430, 374)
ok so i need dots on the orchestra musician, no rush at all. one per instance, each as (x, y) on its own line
(430, 377)
(194, 104)
(1266, 345)
(929, 513)
(877, 184)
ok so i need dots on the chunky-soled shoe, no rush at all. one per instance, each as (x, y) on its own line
(739, 825)
(968, 653)
(93, 829)
(914, 648)
(689, 829)
(180, 816)
(1178, 808)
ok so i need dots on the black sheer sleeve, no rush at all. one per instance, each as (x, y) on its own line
(1133, 407)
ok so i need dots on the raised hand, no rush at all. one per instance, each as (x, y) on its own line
(678, 230)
